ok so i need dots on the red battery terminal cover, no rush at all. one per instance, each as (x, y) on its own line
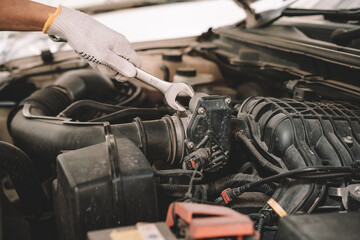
(209, 221)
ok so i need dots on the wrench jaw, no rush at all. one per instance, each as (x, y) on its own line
(177, 107)
(188, 90)
(174, 91)
(170, 97)
(170, 90)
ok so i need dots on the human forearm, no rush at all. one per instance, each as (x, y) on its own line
(103, 48)
(23, 15)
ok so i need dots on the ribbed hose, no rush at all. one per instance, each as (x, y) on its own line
(50, 100)
(215, 188)
(22, 174)
(237, 180)
(44, 140)
(174, 190)
(86, 83)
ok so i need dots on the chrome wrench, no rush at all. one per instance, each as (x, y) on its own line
(170, 90)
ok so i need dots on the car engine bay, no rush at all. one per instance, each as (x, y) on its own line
(272, 134)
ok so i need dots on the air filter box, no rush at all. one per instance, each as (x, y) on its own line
(105, 185)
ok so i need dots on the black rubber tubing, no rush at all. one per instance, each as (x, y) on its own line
(218, 186)
(70, 86)
(237, 180)
(125, 115)
(85, 82)
(24, 178)
(102, 107)
(314, 172)
(44, 140)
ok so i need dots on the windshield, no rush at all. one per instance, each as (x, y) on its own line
(77, 3)
(94, 6)
(155, 20)
(173, 19)
(326, 4)
(311, 4)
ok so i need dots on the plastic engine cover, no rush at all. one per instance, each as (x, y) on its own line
(292, 134)
(103, 186)
(299, 134)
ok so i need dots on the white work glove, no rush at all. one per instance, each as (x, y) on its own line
(103, 48)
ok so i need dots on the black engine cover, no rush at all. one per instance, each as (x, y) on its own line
(299, 134)
(293, 134)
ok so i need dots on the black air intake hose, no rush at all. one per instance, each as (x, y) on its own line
(43, 139)
(71, 86)
(85, 82)
(50, 100)
(22, 173)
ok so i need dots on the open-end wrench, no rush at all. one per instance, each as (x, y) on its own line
(170, 90)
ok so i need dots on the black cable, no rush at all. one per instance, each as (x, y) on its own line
(237, 180)
(182, 191)
(180, 188)
(325, 176)
(319, 172)
(189, 194)
(340, 14)
(128, 114)
(173, 190)
(248, 167)
(134, 93)
(263, 218)
(179, 173)
(97, 106)
(299, 172)
(260, 224)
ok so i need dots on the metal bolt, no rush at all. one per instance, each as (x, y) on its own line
(190, 145)
(201, 111)
(228, 101)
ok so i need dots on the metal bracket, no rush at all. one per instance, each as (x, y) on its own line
(343, 192)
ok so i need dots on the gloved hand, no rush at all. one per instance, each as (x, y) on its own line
(106, 50)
